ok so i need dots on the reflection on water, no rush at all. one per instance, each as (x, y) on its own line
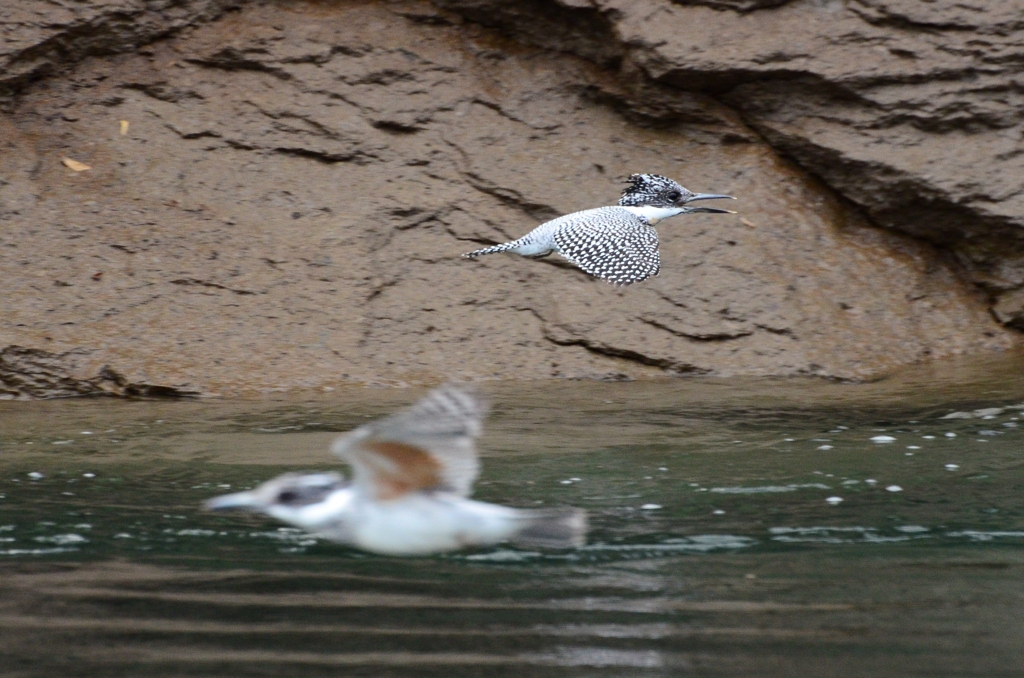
(762, 528)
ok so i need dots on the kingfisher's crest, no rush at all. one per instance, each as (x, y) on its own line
(654, 190)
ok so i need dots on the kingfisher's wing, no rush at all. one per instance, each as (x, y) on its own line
(612, 244)
(429, 446)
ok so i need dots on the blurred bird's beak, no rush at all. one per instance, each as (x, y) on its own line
(239, 500)
(709, 196)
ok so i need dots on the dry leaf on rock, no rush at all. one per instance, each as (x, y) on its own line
(75, 165)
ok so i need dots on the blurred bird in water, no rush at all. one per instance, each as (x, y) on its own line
(413, 472)
(617, 243)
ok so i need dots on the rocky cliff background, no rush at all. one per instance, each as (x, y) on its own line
(278, 193)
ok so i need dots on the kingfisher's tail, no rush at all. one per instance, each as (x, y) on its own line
(504, 247)
(552, 528)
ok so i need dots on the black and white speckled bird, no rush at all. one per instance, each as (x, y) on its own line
(616, 243)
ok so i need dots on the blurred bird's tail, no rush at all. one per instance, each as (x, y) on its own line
(552, 528)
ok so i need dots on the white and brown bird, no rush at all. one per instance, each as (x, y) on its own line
(413, 472)
(617, 243)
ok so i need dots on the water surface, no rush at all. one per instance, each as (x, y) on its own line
(742, 527)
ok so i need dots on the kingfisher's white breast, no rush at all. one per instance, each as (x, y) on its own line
(653, 214)
(421, 523)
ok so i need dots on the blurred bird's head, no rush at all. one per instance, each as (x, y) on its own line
(654, 190)
(286, 493)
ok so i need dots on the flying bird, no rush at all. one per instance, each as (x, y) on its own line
(412, 476)
(616, 243)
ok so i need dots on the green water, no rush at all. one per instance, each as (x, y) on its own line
(713, 551)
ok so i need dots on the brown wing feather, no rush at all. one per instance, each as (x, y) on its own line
(399, 468)
(429, 446)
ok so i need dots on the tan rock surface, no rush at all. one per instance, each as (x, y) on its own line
(911, 109)
(41, 37)
(297, 182)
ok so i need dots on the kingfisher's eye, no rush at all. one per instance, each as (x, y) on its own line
(674, 195)
(287, 497)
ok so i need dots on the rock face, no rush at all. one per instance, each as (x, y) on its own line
(40, 37)
(911, 109)
(279, 198)
(34, 373)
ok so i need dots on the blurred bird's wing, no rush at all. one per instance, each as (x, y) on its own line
(429, 446)
(612, 244)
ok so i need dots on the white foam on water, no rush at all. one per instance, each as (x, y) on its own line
(986, 535)
(832, 535)
(34, 552)
(699, 543)
(63, 539)
(597, 658)
(647, 631)
(769, 488)
(504, 556)
(288, 535)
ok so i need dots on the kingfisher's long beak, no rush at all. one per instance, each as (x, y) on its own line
(239, 500)
(709, 196)
(713, 210)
